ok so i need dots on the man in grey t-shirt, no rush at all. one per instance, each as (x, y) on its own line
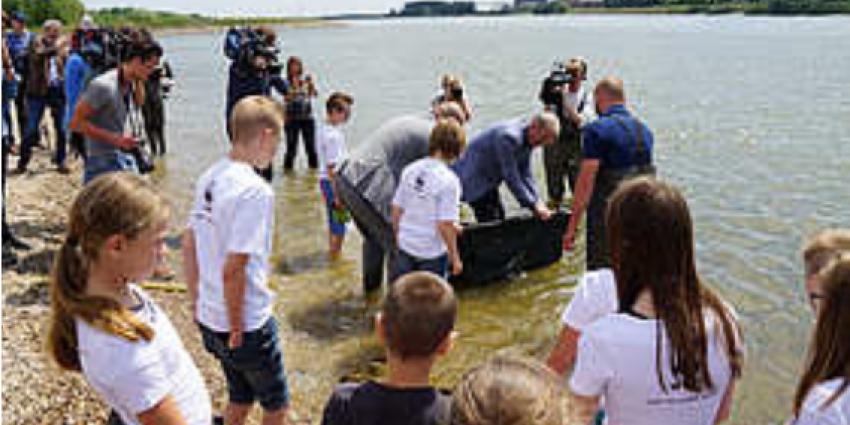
(103, 110)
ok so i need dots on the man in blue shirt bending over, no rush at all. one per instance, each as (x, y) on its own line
(616, 147)
(502, 153)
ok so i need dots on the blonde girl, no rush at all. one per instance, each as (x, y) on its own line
(103, 325)
(822, 395)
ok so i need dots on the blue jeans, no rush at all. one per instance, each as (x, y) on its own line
(108, 163)
(55, 100)
(254, 370)
(407, 263)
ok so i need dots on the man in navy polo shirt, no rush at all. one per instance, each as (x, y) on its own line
(617, 146)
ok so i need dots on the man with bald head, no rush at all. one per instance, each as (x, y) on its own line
(616, 147)
(502, 153)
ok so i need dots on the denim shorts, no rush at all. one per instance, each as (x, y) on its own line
(406, 263)
(108, 163)
(334, 225)
(254, 370)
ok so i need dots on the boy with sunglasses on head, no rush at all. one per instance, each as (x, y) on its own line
(330, 145)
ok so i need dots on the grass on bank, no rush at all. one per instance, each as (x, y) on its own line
(117, 17)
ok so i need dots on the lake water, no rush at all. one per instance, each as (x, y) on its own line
(751, 118)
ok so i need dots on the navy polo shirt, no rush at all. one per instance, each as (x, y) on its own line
(614, 146)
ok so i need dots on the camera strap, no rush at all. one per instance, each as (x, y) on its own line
(134, 118)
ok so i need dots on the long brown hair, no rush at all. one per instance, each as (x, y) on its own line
(294, 61)
(652, 248)
(115, 203)
(829, 350)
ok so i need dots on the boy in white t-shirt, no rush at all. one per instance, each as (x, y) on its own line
(226, 255)
(330, 144)
(425, 208)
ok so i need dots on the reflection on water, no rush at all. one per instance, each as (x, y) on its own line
(750, 116)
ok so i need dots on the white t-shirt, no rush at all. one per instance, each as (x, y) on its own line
(617, 360)
(233, 213)
(595, 297)
(330, 146)
(133, 377)
(428, 192)
(588, 111)
(836, 413)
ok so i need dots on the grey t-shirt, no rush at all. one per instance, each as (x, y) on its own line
(369, 176)
(104, 95)
(375, 166)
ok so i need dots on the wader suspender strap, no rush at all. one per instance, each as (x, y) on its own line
(642, 154)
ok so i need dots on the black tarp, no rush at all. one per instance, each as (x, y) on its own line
(497, 250)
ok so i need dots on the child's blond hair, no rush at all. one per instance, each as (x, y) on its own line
(824, 246)
(508, 390)
(252, 115)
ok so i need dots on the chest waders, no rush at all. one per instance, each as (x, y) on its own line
(563, 158)
(607, 181)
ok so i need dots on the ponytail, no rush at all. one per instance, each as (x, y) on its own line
(67, 280)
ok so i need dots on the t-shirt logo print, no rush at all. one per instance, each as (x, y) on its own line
(419, 186)
(208, 198)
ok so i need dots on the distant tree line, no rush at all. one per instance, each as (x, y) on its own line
(749, 6)
(38, 11)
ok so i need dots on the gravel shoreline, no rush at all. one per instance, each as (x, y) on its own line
(35, 390)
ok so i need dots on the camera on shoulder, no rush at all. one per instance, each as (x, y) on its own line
(551, 91)
(243, 45)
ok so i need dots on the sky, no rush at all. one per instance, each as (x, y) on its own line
(255, 7)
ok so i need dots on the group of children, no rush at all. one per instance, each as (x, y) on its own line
(426, 206)
(645, 336)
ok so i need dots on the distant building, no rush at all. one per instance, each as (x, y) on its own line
(493, 6)
(522, 4)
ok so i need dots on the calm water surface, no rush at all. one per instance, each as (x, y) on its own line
(752, 120)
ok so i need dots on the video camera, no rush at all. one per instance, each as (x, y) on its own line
(551, 91)
(243, 45)
(102, 48)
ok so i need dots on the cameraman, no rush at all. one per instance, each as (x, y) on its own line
(107, 106)
(452, 92)
(564, 94)
(254, 69)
